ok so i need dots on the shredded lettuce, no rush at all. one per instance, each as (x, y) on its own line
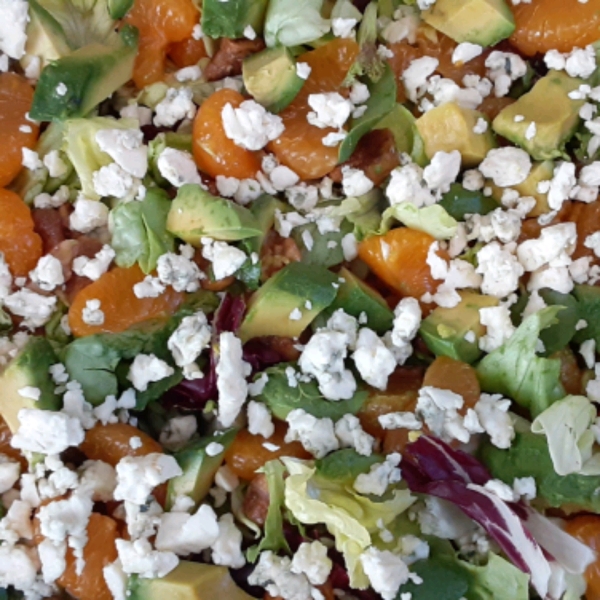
(516, 371)
(273, 539)
(139, 231)
(497, 580)
(566, 425)
(433, 220)
(84, 153)
(294, 22)
(348, 516)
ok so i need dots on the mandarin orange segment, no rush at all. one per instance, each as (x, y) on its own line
(19, 243)
(399, 259)
(187, 52)
(461, 378)
(110, 443)
(16, 132)
(587, 530)
(300, 146)
(544, 25)
(247, 453)
(160, 23)
(214, 153)
(99, 552)
(121, 307)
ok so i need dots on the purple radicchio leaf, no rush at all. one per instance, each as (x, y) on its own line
(260, 354)
(433, 467)
(195, 393)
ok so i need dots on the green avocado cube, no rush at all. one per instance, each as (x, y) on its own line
(287, 303)
(356, 297)
(196, 213)
(187, 581)
(29, 369)
(483, 22)
(198, 468)
(455, 332)
(270, 77)
(451, 127)
(554, 113)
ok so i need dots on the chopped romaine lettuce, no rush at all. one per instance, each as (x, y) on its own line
(139, 231)
(80, 146)
(282, 399)
(294, 22)
(516, 371)
(348, 516)
(566, 425)
(273, 536)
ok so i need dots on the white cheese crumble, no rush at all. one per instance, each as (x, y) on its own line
(126, 147)
(250, 126)
(178, 167)
(146, 369)
(225, 259)
(506, 166)
(187, 342)
(176, 105)
(329, 110)
(88, 215)
(48, 273)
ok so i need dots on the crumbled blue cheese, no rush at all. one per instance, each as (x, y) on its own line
(250, 126)
(386, 571)
(148, 368)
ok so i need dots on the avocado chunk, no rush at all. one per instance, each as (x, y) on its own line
(270, 77)
(540, 171)
(198, 468)
(555, 115)
(483, 22)
(196, 213)
(528, 456)
(444, 330)
(187, 581)
(450, 127)
(356, 297)
(318, 248)
(459, 202)
(75, 84)
(29, 368)
(287, 303)
(231, 21)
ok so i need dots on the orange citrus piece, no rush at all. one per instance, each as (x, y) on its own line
(461, 378)
(121, 307)
(16, 132)
(187, 52)
(586, 529)
(160, 23)
(20, 244)
(300, 146)
(99, 552)
(399, 259)
(559, 25)
(214, 152)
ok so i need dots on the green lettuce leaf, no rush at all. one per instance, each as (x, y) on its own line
(566, 425)
(79, 144)
(273, 539)
(139, 231)
(100, 362)
(516, 371)
(294, 22)
(381, 101)
(282, 399)
(433, 220)
(348, 516)
(497, 580)
(529, 456)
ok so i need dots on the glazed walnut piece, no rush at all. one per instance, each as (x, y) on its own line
(227, 61)
(256, 500)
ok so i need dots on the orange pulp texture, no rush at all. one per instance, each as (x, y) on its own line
(16, 132)
(555, 25)
(586, 529)
(399, 258)
(300, 146)
(121, 307)
(99, 552)
(214, 153)
(160, 23)
(19, 243)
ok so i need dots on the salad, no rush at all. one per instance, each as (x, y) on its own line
(299, 299)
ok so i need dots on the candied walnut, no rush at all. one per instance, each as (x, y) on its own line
(256, 500)
(375, 154)
(276, 253)
(227, 61)
(48, 224)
